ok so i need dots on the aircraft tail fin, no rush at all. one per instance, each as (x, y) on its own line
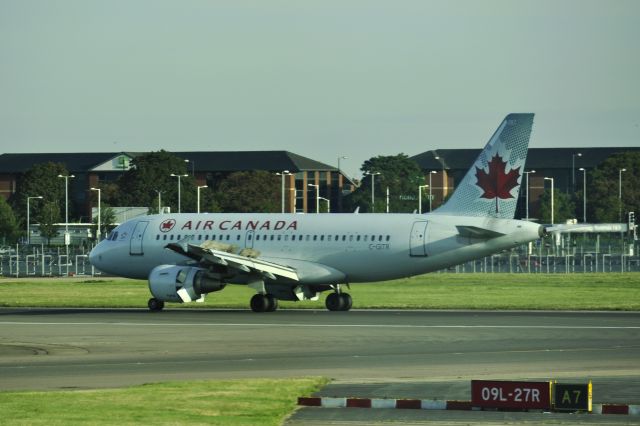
(492, 184)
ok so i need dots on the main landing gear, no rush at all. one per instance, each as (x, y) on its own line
(269, 303)
(338, 302)
(155, 305)
(264, 303)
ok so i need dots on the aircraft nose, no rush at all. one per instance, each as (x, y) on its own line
(95, 256)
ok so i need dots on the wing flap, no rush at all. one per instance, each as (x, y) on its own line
(241, 263)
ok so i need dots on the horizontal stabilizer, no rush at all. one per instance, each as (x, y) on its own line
(479, 233)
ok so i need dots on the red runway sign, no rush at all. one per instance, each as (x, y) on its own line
(512, 395)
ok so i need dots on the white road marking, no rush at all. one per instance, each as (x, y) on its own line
(289, 325)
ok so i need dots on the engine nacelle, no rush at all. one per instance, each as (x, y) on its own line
(171, 283)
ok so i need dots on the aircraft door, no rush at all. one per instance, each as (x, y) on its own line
(418, 238)
(248, 239)
(135, 247)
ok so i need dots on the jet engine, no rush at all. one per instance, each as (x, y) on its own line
(171, 283)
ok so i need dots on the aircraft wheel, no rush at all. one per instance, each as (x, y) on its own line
(155, 305)
(259, 303)
(347, 302)
(334, 302)
(273, 303)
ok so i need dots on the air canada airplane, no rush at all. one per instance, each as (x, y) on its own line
(297, 256)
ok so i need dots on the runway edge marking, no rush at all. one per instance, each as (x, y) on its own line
(435, 404)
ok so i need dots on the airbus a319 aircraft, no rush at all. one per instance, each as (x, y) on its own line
(298, 256)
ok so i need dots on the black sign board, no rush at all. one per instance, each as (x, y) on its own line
(572, 397)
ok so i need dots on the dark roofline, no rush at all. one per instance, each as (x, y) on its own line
(225, 161)
(543, 158)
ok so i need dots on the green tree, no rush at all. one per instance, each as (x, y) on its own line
(9, 229)
(49, 217)
(249, 192)
(400, 174)
(41, 180)
(603, 186)
(563, 207)
(150, 173)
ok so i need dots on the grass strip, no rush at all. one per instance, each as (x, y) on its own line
(597, 291)
(228, 402)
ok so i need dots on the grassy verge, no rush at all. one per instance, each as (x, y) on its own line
(432, 291)
(229, 402)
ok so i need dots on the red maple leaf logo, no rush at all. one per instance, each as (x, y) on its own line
(497, 183)
(167, 225)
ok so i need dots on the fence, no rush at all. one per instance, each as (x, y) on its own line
(40, 261)
(24, 261)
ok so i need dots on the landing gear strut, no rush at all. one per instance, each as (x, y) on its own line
(338, 302)
(264, 303)
(155, 305)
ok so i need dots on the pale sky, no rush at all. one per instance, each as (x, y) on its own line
(320, 78)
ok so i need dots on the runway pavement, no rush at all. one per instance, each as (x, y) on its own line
(412, 354)
(67, 348)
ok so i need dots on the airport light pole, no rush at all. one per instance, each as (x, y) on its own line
(420, 196)
(573, 170)
(328, 203)
(159, 199)
(179, 194)
(342, 157)
(317, 196)
(373, 189)
(620, 194)
(527, 192)
(584, 194)
(193, 166)
(66, 208)
(199, 188)
(443, 181)
(551, 179)
(338, 182)
(431, 173)
(283, 174)
(39, 197)
(98, 231)
(293, 205)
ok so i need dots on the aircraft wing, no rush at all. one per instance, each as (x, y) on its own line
(235, 261)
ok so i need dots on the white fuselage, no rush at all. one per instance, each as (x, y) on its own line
(323, 248)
